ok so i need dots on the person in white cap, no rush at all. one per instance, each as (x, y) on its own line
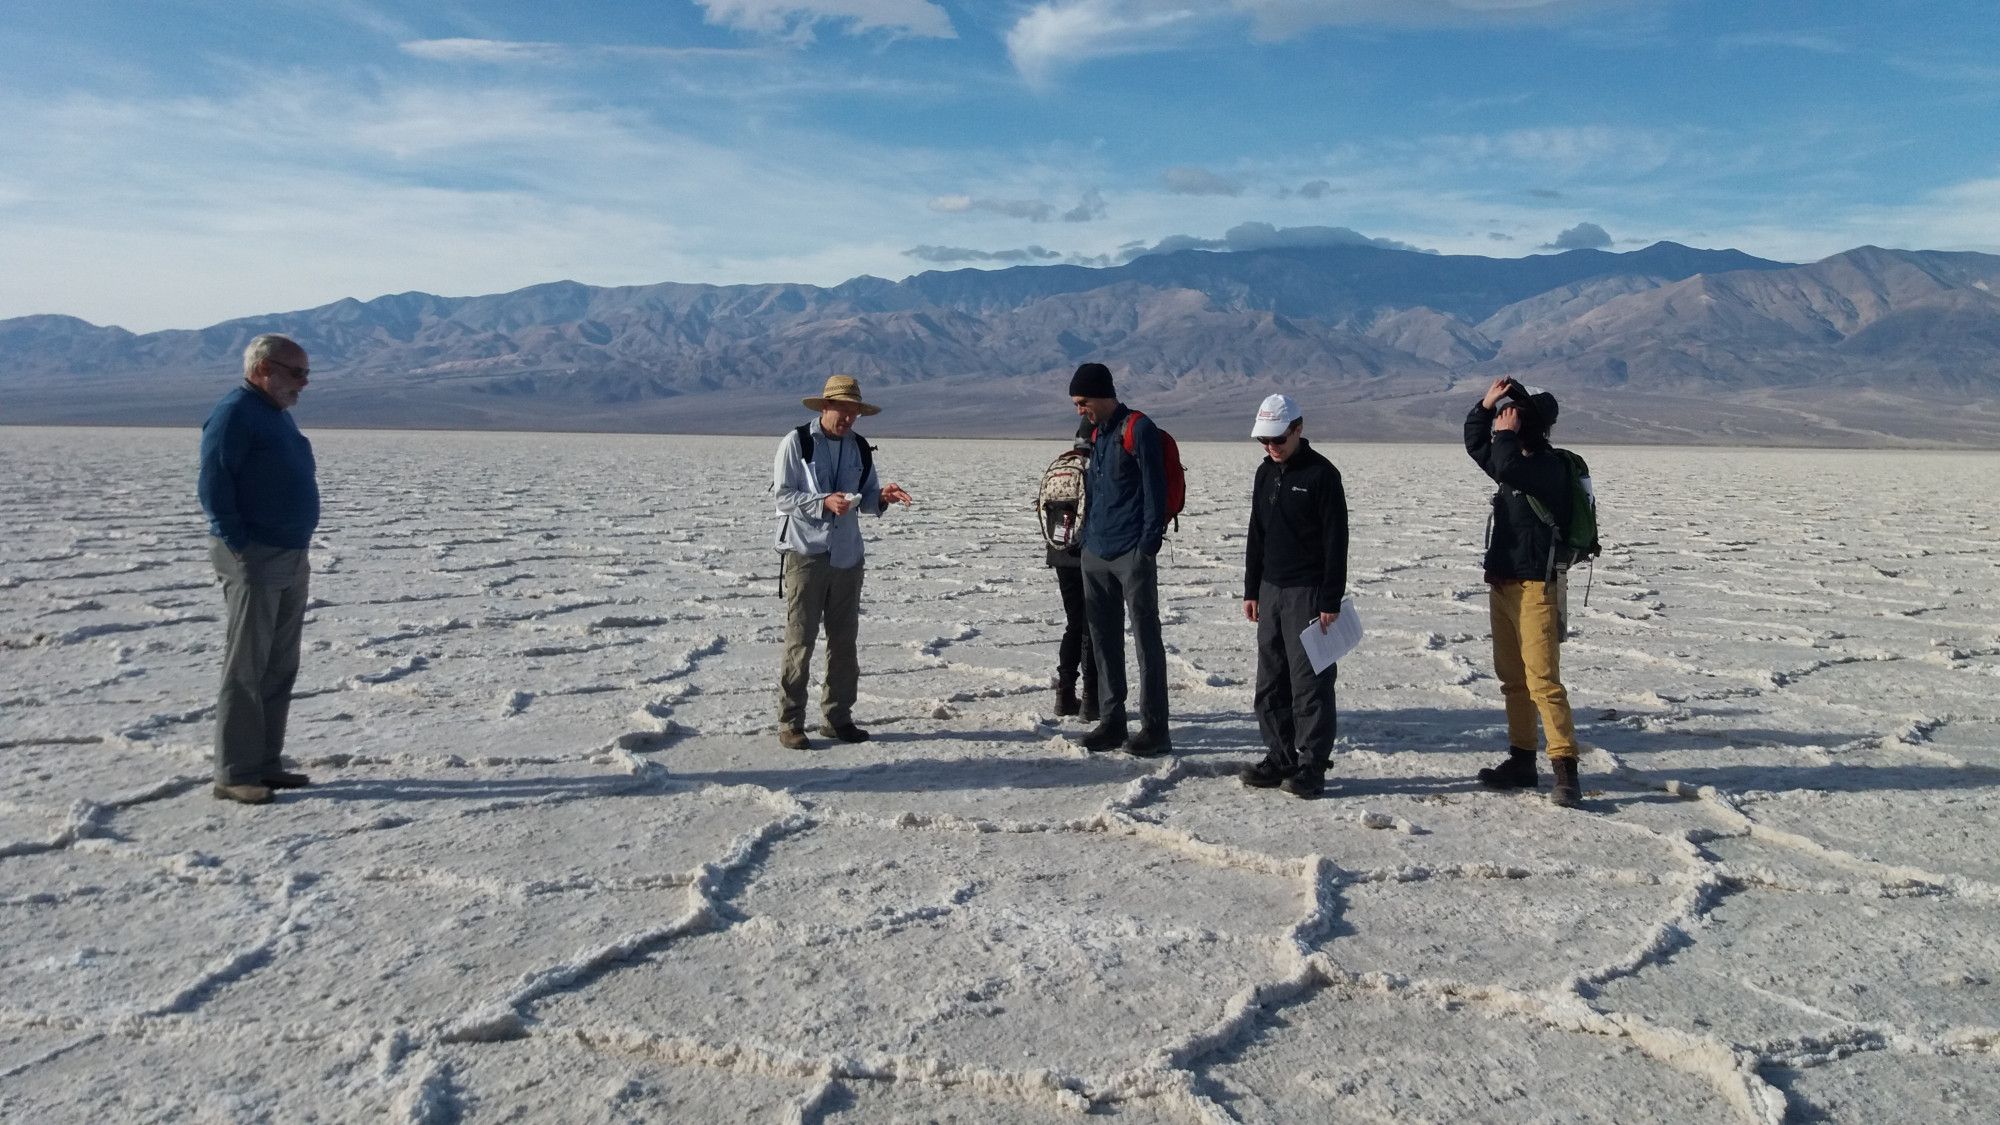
(1294, 576)
(824, 474)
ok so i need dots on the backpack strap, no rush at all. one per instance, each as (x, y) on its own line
(1130, 418)
(804, 432)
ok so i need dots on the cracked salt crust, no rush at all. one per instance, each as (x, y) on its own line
(555, 868)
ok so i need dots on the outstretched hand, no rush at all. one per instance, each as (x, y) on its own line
(893, 493)
(1496, 392)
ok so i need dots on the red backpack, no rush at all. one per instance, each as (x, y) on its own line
(1170, 453)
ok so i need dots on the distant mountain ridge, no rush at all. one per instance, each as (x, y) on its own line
(1382, 336)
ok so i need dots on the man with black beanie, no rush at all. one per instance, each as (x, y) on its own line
(1127, 486)
(1507, 434)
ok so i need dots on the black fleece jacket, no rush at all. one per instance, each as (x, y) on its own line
(1298, 528)
(1518, 545)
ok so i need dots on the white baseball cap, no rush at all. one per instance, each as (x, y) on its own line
(1275, 416)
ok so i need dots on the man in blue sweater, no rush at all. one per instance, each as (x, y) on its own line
(1127, 521)
(259, 490)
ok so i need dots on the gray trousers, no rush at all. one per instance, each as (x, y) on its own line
(265, 591)
(1111, 587)
(1295, 706)
(816, 593)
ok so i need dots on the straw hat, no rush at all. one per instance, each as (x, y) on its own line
(840, 389)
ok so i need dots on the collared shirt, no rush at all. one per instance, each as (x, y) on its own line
(804, 524)
(258, 480)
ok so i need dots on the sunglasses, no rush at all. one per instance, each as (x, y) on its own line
(297, 371)
(1267, 442)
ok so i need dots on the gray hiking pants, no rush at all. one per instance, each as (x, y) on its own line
(265, 591)
(1295, 706)
(816, 593)
(1111, 587)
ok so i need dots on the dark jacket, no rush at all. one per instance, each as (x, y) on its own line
(1073, 558)
(1518, 545)
(257, 480)
(1298, 528)
(1128, 491)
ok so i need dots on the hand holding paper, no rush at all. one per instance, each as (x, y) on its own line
(1325, 647)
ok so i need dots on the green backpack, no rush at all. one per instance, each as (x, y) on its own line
(1577, 542)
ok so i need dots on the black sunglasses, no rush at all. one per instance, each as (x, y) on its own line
(1269, 441)
(297, 371)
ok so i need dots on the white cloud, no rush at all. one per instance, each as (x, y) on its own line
(384, 188)
(946, 254)
(1582, 236)
(1033, 210)
(481, 50)
(1189, 180)
(1088, 209)
(504, 51)
(919, 18)
(1055, 34)
(1264, 236)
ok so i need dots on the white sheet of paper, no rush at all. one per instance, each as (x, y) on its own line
(1325, 649)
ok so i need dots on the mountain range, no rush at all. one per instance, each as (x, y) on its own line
(1664, 344)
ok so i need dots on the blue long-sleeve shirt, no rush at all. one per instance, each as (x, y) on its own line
(258, 480)
(804, 525)
(1125, 493)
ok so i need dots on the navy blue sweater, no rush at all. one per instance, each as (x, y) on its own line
(257, 474)
(1127, 491)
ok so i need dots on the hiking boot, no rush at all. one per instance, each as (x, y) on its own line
(792, 738)
(846, 732)
(1106, 735)
(1569, 789)
(1517, 772)
(247, 794)
(1149, 743)
(1066, 701)
(1308, 783)
(286, 779)
(1089, 713)
(1267, 773)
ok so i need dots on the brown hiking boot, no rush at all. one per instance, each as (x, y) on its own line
(1569, 788)
(244, 794)
(792, 738)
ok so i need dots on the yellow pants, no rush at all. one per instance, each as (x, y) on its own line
(1527, 656)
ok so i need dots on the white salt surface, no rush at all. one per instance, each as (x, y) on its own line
(556, 867)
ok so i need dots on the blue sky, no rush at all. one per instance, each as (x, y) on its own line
(172, 163)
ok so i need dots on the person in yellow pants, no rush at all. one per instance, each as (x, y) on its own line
(1507, 435)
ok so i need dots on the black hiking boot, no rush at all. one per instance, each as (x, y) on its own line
(846, 732)
(1106, 735)
(1066, 701)
(1149, 743)
(1517, 772)
(1569, 789)
(1089, 703)
(1267, 773)
(1308, 782)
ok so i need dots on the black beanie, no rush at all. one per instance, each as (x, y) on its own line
(1092, 380)
(1544, 406)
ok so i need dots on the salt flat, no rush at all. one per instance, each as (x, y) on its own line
(555, 866)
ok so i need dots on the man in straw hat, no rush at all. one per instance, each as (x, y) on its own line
(823, 476)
